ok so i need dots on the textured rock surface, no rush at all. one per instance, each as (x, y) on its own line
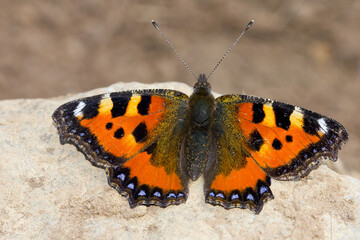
(50, 191)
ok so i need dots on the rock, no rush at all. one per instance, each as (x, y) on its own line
(50, 191)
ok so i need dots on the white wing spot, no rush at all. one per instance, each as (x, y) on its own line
(78, 110)
(323, 125)
(105, 95)
(298, 109)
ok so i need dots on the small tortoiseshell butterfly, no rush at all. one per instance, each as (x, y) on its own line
(151, 143)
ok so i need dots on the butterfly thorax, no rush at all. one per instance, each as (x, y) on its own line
(197, 143)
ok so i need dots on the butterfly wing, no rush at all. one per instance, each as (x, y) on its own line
(136, 136)
(259, 138)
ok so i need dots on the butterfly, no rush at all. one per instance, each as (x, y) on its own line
(153, 142)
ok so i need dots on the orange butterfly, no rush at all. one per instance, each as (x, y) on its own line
(152, 142)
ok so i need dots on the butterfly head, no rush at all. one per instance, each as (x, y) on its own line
(202, 84)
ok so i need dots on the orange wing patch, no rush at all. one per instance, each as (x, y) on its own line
(274, 146)
(247, 187)
(240, 179)
(153, 176)
(129, 128)
(287, 141)
(143, 183)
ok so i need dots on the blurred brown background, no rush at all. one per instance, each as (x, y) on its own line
(306, 53)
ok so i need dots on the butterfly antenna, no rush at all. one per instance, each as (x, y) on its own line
(231, 47)
(171, 46)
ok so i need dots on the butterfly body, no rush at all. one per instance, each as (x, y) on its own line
(200, 121)
(152, 142)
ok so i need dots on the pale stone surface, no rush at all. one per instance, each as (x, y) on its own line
(49, 191)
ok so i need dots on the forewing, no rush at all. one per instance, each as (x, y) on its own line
(285, 140)
(136, 136)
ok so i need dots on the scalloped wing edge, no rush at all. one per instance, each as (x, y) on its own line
(247, 199)
(143, 194)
